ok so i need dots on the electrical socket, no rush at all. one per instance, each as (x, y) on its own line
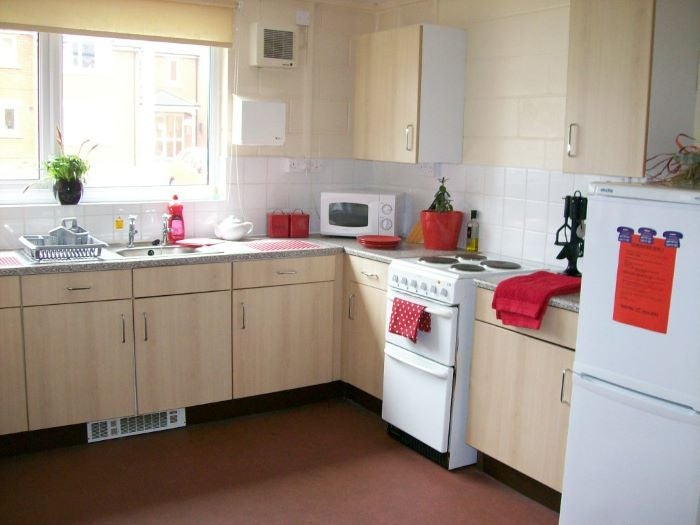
(295, 165)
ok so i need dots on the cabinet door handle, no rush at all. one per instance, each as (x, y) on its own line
(351, 302)
(145, 327)
(77, 288)
(123, 329)
(370, 275)
(561, 392)
(409, 137)
(286, 272)
(570, 150)
(243, 316)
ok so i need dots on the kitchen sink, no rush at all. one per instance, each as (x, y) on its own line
(156, 251)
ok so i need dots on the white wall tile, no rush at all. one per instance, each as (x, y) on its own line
(515, 183)
(494, 181)
(512, 242)
(514, 213)
(560, 185)
(490, 238)
(536, 216)
(534, 245)
(474, 179)
(537, 185)
(492, 212)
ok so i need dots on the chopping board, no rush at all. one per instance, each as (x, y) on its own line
(415, 236)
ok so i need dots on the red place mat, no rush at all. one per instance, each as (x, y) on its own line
(9, 260)
(287, 244)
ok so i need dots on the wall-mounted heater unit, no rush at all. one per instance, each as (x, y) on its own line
(272, 46)
(258, 122)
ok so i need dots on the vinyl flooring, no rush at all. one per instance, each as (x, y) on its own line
(324, 463)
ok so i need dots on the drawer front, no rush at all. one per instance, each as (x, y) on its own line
(558, 326)
(9, 291)
(76, 287)
(366, 271)
(274, 272)
(191, 278)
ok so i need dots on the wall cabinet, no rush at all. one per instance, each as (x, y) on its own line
(13, 401)
(409, 94)
(515, 413)
(364, 320)
(80, 362)
(182, 317)
(282, 334)
(623, 106)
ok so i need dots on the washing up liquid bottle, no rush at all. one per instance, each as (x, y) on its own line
(176, 223)
(473, 233)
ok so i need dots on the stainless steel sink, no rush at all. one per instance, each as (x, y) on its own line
(155, 251)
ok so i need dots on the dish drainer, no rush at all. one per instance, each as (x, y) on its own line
(67, 242)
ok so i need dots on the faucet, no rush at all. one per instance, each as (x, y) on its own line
(165, 230)
(132, 231)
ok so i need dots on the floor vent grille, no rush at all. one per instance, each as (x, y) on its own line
(129, 426)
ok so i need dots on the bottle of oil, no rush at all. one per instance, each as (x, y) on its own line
(473, 233)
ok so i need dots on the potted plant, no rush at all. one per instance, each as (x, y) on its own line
(68, 172)
(440, 222)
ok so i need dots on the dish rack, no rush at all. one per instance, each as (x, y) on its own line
(67, 242)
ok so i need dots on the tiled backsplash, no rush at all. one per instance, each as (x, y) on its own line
(519, 209)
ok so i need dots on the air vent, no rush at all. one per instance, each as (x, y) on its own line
(129, 426)
(272, 46)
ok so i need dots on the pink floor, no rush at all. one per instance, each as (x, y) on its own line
(328, 463)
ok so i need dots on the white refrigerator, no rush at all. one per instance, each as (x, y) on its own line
(633, 447)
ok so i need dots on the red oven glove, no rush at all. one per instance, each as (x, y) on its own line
(407, 318)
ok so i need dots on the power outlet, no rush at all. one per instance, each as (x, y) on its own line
(295, 165)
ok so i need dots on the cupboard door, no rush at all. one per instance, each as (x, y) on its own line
(183, 350)
(282, 338)
(387, 79)
(515, 414)
(610, 46)
(80, 362)
(13, 400)
(363, 338)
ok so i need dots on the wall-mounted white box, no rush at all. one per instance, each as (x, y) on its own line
(258, 122)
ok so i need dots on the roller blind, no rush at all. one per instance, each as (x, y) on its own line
(207, 22)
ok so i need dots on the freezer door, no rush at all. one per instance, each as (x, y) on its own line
(417, 396)
(665, 365)
(629, 459)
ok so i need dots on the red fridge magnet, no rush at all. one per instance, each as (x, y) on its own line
(644, 284)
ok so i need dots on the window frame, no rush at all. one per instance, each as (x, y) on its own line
(50, 62)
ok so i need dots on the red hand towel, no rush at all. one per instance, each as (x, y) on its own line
(522, 300)
(407, 318)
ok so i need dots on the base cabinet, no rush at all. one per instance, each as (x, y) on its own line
(13, 400)
(80, 362)
(183, 350)
(363, 337)
(282, 337)
(515, 412)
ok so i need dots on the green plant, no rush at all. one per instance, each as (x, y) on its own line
(443, 200)
(681, 168)
(68, 167)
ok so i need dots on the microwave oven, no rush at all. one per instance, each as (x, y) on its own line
(350, 214)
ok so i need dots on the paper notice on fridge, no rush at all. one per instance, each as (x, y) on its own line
(644, 284)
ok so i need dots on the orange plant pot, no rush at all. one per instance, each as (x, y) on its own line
(441, 229)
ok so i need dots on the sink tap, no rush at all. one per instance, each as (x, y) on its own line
(132, 231)
(165, 230)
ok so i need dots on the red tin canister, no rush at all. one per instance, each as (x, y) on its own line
(299, 224)
(277, 224)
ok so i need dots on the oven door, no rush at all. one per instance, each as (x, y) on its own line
(440, 344)
(417, 396)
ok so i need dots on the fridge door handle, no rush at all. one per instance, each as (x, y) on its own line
(650, 404)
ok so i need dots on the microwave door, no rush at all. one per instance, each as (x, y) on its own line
(352, 218)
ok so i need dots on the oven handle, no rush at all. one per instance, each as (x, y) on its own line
(440, 373)
(440, 312)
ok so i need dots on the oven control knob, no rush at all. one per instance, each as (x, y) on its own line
(404, 281)
(424, 287)
(443, 292)
(395, 278)
(414, 283)
(433, 289)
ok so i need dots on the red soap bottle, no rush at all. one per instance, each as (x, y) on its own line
(176, 223)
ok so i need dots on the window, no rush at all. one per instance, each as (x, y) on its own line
(150, 132)
(8, 50)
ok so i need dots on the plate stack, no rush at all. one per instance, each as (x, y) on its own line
(382, 242)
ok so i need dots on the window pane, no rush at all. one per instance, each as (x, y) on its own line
(122, 98)
(19, 96)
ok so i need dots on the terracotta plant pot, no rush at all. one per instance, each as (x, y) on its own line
(441, 229)
(68, 192)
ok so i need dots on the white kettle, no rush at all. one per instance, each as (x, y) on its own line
(232, 229)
